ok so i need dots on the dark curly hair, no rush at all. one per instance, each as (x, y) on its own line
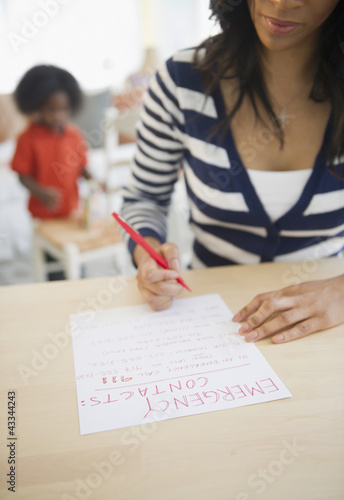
(40, 82)
(235, 50)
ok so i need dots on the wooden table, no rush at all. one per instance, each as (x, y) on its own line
(287, 449)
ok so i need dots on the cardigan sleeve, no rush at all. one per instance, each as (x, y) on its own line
(159, 153)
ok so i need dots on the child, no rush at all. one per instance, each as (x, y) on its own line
(51, 154)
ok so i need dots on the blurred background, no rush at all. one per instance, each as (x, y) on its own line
(112, 47)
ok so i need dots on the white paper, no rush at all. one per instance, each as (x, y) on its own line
(135, 366)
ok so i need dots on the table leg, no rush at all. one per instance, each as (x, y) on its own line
(38, 260)
(72, 262)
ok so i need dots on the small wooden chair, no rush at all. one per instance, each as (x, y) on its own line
(72, 246)
(118, 157)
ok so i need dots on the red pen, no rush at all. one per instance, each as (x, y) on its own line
(146, 246)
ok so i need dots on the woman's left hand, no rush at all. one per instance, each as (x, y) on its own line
(295, 311)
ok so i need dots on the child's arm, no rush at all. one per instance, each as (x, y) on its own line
(86, 175)
(50, 197)
(89, 177)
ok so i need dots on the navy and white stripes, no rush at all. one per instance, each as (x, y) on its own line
(226, 215)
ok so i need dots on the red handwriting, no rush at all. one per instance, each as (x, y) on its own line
(263, 386)
(94, 401)
(114, 380)
(189, 384)
(149, 391)
(227, 394)
(178, 386)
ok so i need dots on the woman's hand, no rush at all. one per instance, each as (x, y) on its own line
(158, 285)
(295, 311)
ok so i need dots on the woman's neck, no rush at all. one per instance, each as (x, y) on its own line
(286, 72)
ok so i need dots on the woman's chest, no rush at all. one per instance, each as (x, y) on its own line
(259, 144)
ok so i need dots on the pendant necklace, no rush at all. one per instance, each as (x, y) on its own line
(282, 111)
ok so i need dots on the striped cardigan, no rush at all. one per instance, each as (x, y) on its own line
(226, 215)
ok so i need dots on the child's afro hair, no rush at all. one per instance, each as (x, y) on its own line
(40, 82)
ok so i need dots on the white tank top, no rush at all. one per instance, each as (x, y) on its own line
(278, 191)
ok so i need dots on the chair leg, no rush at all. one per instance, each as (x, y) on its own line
(38, 260)
(72, 262)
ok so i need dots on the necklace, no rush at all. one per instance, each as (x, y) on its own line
(284, 117)
(281, 112)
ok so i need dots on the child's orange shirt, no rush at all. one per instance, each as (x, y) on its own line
(54, 160)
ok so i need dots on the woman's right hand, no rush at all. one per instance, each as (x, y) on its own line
(158, 286)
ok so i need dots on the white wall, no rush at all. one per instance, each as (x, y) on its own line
(180, 23)
(99, 41)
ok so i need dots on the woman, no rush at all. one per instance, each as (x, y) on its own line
(262, 157)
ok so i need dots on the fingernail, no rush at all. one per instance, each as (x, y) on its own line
(236, 317)
(244, 328)
(173, 275)
(175, 264)
(251, 336)
(278, 338)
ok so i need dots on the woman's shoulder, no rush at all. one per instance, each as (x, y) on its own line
(188, 56)
(182, 70)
